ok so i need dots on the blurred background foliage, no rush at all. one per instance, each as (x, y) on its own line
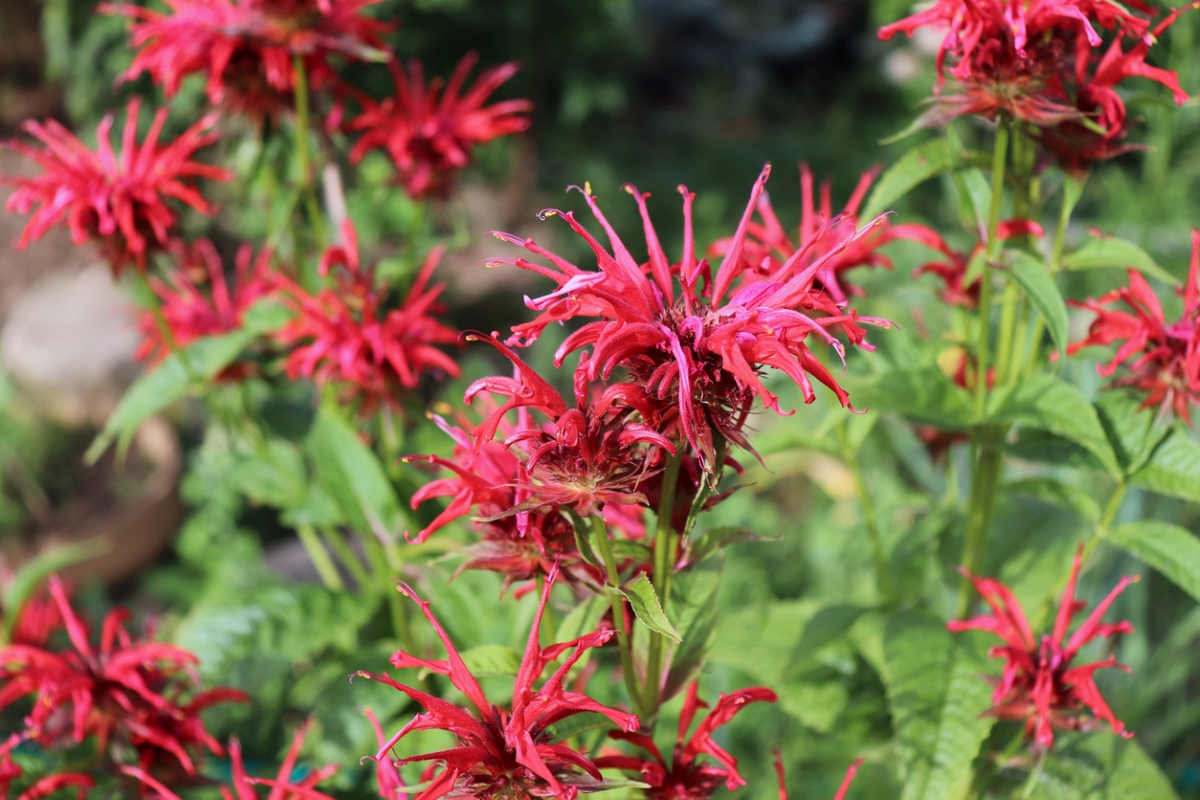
(663, 92)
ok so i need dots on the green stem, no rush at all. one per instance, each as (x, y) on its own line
(999, 160)
(882, 577)
(1104, 527)
(624, 634)
(303, 160)
(984, 482)
(320, 558)
(664, 569)
(1056, 254)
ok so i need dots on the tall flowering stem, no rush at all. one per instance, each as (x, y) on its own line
(601, 543)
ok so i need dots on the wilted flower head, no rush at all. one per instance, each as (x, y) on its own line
(245, 48)
(1034, 61)
(138, 694)
(504, 753)
(429, 131)
(768, 245)
(1166, 356)
(347, 335)
(42, 787)
(1039, 686)
(686, 777)
(117, 201)
(694, 341)
(241, 786)
(197, 301)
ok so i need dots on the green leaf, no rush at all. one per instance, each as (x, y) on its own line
(1056, 406)
(914, 167)
(1174, 467)
(975, 199)
(1100, 766)
(492, 659)
(169, 383)
(694, 603)
(936, 695)
(1031, 274)
(711, 541)
(36, 570)
(580, 723)
(353, 476)
(274, 475)
(1106, 252)
(624, 549)
(1170, 549)
(266, 316)
(1135, 776)
(645, 604)
(923, 395)
(1133, 431)
(827, 625)
(817, 705)
(1055, 491)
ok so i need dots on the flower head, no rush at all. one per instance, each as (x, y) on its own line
(348, 335)
(504, 753)
(693, 341)
(242, 784)
(820, 233)
(125, 692)
(1039, 686)
(118, 202)
(246, 48)
(1033, 60)
(429, 131)
(1165, 356)
(197, 301)
(686, 777)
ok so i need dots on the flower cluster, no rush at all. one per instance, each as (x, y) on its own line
(117, 201)
(429, 131)
(1165, 356)
(130, 695)
(348, 333)
(1044, 62)
(247, 49)
(1039, 687)
(504, 752)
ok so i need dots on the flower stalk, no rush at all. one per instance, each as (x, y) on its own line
(599, 541)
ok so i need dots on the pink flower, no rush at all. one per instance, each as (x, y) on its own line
(347, 335)
(1039, 685)
(503, 753)
(196, 300)
(685, 777)
(694, 341)
(245, 48)
(119, 202)
(242, 785)
(429, 132)
(127, 691)
(1166, 356)
(820, 232)
(42, 787)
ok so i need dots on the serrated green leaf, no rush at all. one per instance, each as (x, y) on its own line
(1056, 406)
(353, 476)
(36, 570)
(1133, 431)
(1110, 252)
(1173, 468)
(1170, 549)
(492, 659)
(1055, 491)
(1031, 275)
(937, 697)
(914, 167)
(923, 395)
(167, 384)
(694, 603)
(646, 606)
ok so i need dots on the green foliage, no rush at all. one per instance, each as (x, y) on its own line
(1170, 549)
(1035, 281)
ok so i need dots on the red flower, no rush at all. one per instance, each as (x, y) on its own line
(36, 618)
(699, 351)
(1020, 57)
(387, 777)
(345, 334)
(245, 48)
(124, 690)
(242, 785)
(686, 777)
(43, 787)
(1166, 363)
(429, 132)
(1039, 685)
(118, 202)
(192, 312)
(768, 245)
(851, 771)
(504, 753)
